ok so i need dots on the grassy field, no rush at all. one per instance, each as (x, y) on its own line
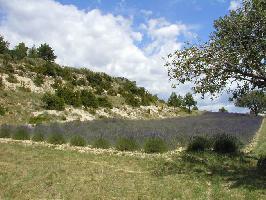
(39, 172)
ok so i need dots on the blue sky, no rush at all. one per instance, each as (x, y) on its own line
(125, 38)
(200, 13)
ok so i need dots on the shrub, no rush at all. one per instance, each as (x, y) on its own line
(2, 111)
(99, 90)
(9, 68)
(132, 100)
(57, 83)
(39, 119)
(195, 108)
(38, 80)
(69, 96)
(225, 144)
(88, 99)
(103, 102)
(50, 69)
(101, 143)
(38, 137)
(53, 102)
(56, 138)
(1, 82)
(21, 134)
(126, 144)
(5, 132)
(199, 143)
(12, 79)
(261, 165)
(78, 140)
(81, 82)
(223, 110)
(23, 88)
(111, 92)
(155, 145)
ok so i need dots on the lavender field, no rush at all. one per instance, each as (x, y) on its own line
(174, 131)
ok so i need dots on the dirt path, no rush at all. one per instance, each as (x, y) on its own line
(251, 146)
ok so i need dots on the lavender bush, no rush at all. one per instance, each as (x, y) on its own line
(174, 131)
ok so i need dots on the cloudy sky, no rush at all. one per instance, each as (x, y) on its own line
(126, 38)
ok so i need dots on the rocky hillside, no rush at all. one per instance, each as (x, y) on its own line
(34, 91)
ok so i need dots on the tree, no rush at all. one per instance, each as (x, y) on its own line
(32, 52)
(20, 51)
(223, 110)
(189, 101)
(46, 52)
(3, 45)
(234, 54)
(174, 100)
(255, 101)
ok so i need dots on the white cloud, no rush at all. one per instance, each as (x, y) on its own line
(102, 42)
(147, 13)
(234, 4)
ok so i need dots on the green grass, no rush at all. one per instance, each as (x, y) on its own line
(20, 106)
(38, 172)
(260, 148)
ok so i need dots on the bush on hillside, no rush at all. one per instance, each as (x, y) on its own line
(132, 100)
(39, 119)
(56, 138)
(155, 145)
(88, 99)
(38, 80)
(50, 69)
(1, 82)
(78, 140)
(38, 137)
(12, 79)
(53, 102)
(57, 83)
(69, 96)
(9, 69)
(226, 144)
(81, 82)
(21, 134)
(126, 144)
(2, 111)
(199, 143)
(103, 102)
(101, 143)
(111, 92)
(99, 90)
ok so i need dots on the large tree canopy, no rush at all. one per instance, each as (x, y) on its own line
(235, 54)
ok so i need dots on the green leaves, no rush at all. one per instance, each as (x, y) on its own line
(46, 52)
(255, 101)
(233, 54)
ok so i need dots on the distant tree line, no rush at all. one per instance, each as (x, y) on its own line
(21, 51)
(183, 102)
